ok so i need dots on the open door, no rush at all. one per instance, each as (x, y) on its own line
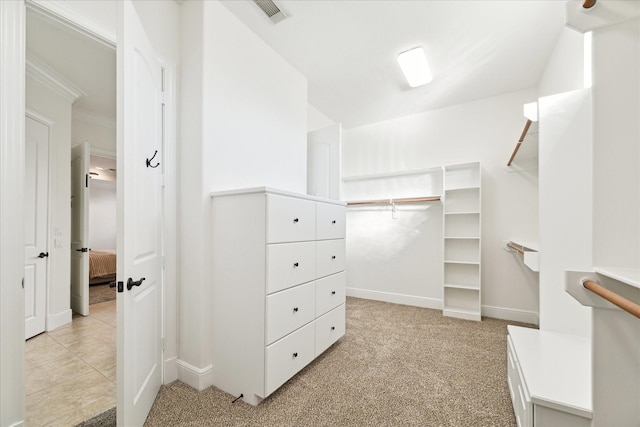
(80, 229)
(139, 270)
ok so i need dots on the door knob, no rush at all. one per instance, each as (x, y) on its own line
(131, 283)
(43, 255)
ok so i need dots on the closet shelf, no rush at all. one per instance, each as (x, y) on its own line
(449, 261)
(462, 213)
(463, 237)
(630, 276)
(529, 252)
(458, 286)
(475, 187)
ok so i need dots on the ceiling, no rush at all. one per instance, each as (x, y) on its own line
(348, 50)
(81, 61)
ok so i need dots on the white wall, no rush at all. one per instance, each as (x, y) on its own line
(102, 214)
(317, 120)
(616, 167)
(244, 124)
(50, 105)
(565, 185)
(484, 131)
(564, 71)
(100, 133)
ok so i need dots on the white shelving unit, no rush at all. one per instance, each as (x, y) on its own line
(462, 225)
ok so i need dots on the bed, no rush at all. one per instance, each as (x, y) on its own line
(102, 266)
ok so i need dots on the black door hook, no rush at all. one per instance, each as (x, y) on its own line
(149, 161)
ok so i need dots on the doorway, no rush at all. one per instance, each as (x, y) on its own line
(70, 371)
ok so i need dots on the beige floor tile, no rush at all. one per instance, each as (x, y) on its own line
(45, 406)
(54, 373)
(39, 341)
(45, 355)
(62, 388)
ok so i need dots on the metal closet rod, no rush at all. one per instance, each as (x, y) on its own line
(618, 300)
(392, 201)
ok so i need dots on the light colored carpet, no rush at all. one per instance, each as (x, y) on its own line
(101, 293)
(396, 366)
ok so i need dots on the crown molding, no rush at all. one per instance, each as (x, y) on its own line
(40, 71)
(70, 18)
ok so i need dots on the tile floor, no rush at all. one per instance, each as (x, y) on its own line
(70, 373)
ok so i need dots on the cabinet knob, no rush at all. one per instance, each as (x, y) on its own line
(333, 257)
(295, 309)
(295, 264)
(333, 328)
(295, 354)
(333, 292)
(295, 220)
(333, 222)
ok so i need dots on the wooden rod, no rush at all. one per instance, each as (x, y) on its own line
(522, 136)
(525, 130)
(513, 155)
(588, 4)
(515, 248)
(620, 301)
(389, 201)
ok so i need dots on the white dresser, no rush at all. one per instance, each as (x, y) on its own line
(278, 286)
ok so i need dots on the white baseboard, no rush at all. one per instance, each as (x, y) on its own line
(511, 314)
(395, 298)
(198, 378)
(18, 424)
(54, 321)
(436, 304)
(170, 370)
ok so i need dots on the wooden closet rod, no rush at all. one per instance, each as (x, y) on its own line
(522, 136)
(620, 301)
(588, 4)
(390, 201)
(516, 248)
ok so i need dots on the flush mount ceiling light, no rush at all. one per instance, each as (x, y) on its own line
(415, 67)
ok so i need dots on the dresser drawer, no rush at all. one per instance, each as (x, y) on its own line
(330, 221)
(329, 257)
(522, 406)
(330, 292)
(290, 219)
(288, 310)
(284, 358)
(329, 328)
(290, 264)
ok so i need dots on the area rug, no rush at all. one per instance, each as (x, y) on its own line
(101, 293)
(105, 419)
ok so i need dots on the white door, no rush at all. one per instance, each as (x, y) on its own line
(323, 162)
(36, 252)
(140, 165)
(80, 229)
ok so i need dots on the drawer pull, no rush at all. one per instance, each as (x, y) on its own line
(333, 292)
(333, 222)
(295, 220)
(295, 264)
(333, 257)
(333, 328)
(295, 309)
(295, 355)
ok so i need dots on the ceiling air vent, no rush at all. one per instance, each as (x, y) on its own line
(271, 10)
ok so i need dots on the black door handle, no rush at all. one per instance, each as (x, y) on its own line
(82, 250)
(43, 255)
(131, 283)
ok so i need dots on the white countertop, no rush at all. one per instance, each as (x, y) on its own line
(556, 368)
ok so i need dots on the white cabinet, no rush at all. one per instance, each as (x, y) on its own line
(278, 297)
(461, 209)
(549, 376)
